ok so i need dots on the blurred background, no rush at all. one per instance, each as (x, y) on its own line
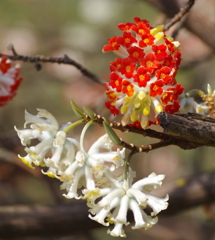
(80, 28)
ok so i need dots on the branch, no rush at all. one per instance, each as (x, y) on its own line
(185, 9)
(61, 60)
(166, 139)
(48, 221)
(191, 127)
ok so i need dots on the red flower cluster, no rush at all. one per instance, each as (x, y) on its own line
(149, 64)
(9, 80)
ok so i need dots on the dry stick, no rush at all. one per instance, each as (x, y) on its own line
(61, 60)
(185, 9)
(48, 221)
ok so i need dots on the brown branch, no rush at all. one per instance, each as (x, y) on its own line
(61, 60)
(166, 139)
(195, 128)
(48, 221)
(183, 10)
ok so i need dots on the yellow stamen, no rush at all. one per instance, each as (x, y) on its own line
(141, 95)
(126, 100)
(124, 109)
(134, 116)
(158, 109)
(146, 111)
(156, 30)
(144, 124)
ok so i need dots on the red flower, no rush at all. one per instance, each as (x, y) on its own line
(177, 90)
(156, 88)
(141, 77)
(126, 40)
(9, 80)
(177, 57)
(112, 108)
(141, 29)
(125, 26)
(168, 61)
(127, 67)
(147, 39)
(163, 74)
(117, 65)
(4, 65)
(112, 45)
(127, 88)
(170, 45)
(166, 97)
(116, 81)
(112, 96)
(136, 54)
(145, 22)
(172, 108)
(160, 51)
(150, 63)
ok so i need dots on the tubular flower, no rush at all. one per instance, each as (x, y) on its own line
(90, 168)
(45, 128)
(115, 201)
(143, 79)
(9, 80)
(188, 104)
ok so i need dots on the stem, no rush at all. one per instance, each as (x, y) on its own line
(83, 134)
(194, 91)
(68, 128)
(127, 160)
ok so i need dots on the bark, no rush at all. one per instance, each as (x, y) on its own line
(191, 127)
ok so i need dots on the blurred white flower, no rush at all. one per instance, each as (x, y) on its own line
(188, 104)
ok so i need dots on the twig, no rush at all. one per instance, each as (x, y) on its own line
(61, 60)
(47, 221)
(185, 9)
(166, 139)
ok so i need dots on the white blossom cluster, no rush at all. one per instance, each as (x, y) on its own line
(96, 175)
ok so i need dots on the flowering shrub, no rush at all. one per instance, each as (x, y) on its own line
(142, 84)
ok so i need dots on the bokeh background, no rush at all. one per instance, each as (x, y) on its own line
(80, 28)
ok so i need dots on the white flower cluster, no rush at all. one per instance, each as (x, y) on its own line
(91, 175)
(188, 104)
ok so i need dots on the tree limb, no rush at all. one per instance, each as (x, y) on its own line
(61, 60)
(178, 16)
(191, 127)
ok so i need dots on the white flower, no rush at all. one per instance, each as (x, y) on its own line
(115, 201)
(188, 104)
(45, 128)
(90, 167)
